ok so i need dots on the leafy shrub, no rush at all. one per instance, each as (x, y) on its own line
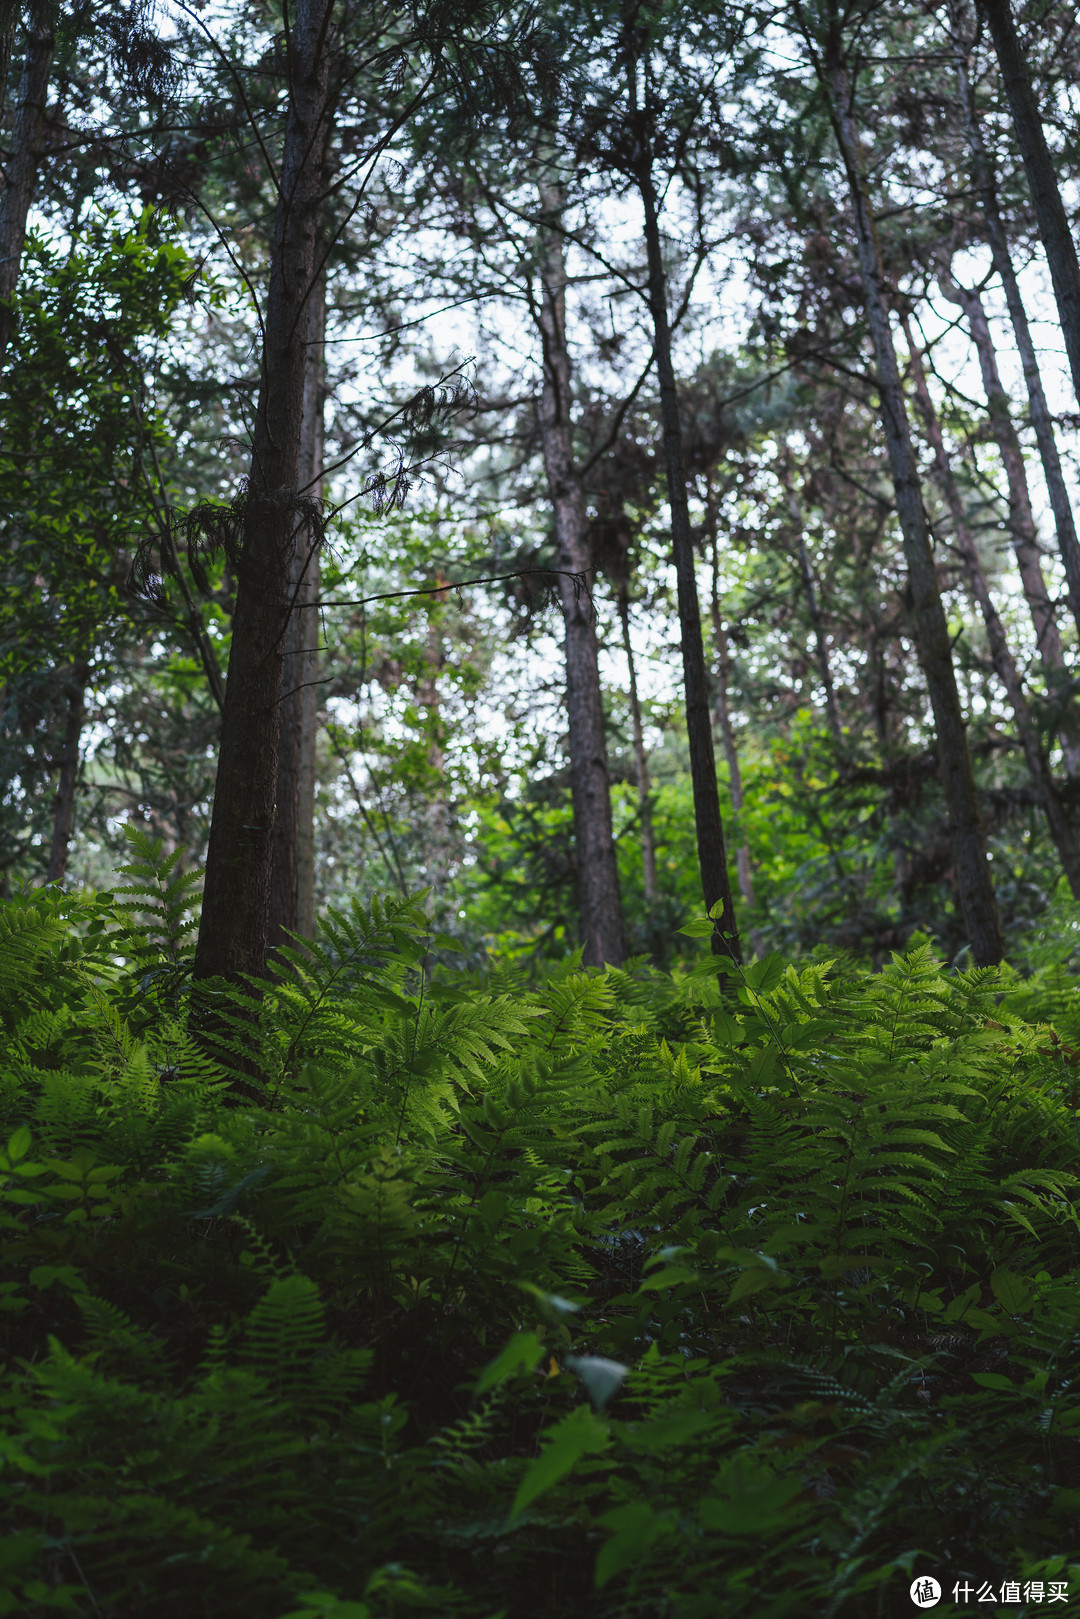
(624, 1295)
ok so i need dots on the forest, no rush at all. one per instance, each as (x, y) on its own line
(540, 817)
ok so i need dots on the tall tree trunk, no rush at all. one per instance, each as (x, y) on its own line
(641, 763)
(1025, 535)
(813, 608)
(27, 141)
(233, 935)
(1050, 212)
(731, 754)
(437, 813)
(64, 808)
(7, 45)
(594, 845)
(312, 448)
(743, 864)
(968, 841)
(712, 858)
(982, 173)
(292, 882)
(1061, 829)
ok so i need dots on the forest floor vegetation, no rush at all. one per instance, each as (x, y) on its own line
(613, 1293)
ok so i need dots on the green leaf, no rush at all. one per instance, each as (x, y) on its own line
(993, 1380)
(764, 975)
(833, 1266)
(636, 1527)
(752, 1280)
(699, 928)
(957, 1308)
(580, 1434)
(670, 1276)
(1012, 1292)
(670, 1428)
(522, 1354)
(726, 1030)
(17, 1551)
(67, 1275)
(19, 1144)
(755, 1510)
(550, 1306)
(324, 1605)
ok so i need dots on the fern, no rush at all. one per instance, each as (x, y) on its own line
(815, 1235)
(161, 895)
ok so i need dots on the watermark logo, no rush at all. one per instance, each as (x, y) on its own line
(926, 1592)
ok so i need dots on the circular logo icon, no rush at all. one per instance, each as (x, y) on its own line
(925, 1591)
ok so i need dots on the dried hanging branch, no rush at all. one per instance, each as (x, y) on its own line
(210, 530)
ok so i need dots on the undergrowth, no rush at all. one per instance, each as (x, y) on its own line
(625, 1294)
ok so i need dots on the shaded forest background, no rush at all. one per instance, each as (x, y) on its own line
(594, 335)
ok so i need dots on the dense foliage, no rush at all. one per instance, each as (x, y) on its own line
(134, 306)
(620, 1292)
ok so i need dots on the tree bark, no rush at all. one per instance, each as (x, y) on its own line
(641, 763)
(983, 177)
(292, 882)
(1025, 536)
(1021, 518)
(743, 865)
(309, 740)
(27, 141)
(1050, 212)
(438, 819)
(597, 869)
(7, 45)
(821, 643)
(971, 867)
(813, 608)
(64, 808)
(731, 754)
(1061, 829)
(233, 935)
(712, 858)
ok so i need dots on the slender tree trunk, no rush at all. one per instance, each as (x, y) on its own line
(1022, 526)
(7, 45)
(292, 883)
(813, 608)
(1025, 536)
(1061, 829)
(821, 643)
(312, 448)
(64, 808)
(731, 754)
(970, 864)
(641, 762)
(712, 859)
(743, 865)
(437, 813)
(1050, 212)
(983, 177)
(309, 740)
(594, 844)
(233, 935)
(27, 142)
